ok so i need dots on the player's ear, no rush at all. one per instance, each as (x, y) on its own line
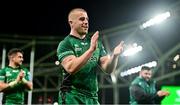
(70, 22)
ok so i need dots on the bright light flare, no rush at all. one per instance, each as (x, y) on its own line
(132, 50)
(57, 63)
(176, 58)
(137, 69)
(156, 20)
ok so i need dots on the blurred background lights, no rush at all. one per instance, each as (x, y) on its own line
(131, 50)
(57, 62)
(176, 58)
(55, 103)
(137, 69)
(156, 20)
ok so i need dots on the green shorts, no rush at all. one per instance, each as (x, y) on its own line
(76, 98)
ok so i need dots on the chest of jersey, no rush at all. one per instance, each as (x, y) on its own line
(11, 74)
(148, 88)
(81, 46)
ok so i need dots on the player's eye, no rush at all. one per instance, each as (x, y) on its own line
(82, 18)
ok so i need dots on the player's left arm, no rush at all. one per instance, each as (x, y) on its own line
(109, 63)
(26, 80)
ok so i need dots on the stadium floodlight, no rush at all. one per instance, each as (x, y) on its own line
(156, 20)
(132, 50)
(137, 69)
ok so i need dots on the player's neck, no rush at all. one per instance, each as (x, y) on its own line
(77, 35)
(13, 65)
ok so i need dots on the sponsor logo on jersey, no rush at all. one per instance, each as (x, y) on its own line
(84, 43)
(15, 71)
(8, 74)
(78, 49)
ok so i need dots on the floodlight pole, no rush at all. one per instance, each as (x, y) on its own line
(115, 91)
(31, 71)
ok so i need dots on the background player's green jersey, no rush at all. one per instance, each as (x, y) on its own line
(148, 88)
(14, 95)
(85, 80)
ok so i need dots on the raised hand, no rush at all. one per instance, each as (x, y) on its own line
(20, 76)
(18, 79)
(162, 93)
(119, 48)
(94, 40)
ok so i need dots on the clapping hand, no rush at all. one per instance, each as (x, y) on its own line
(119, 48)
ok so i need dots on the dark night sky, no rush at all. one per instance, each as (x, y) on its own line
(50, 17)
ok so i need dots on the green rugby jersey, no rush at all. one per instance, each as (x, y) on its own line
(148, 87)
(15, 94)
(85, 80)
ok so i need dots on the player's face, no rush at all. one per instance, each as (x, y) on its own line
(146, 74)
(80, 23)
(18, 58)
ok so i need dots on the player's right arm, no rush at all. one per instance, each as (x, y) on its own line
(72, 64)
(5, 86)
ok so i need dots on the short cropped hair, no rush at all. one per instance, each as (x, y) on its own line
(75, 9)
(145, 68)
(14, 51)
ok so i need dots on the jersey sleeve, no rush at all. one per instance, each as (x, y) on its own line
(64, 49)
(28, 76)
(2, 75)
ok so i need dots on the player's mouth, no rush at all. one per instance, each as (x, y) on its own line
(86, 27)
